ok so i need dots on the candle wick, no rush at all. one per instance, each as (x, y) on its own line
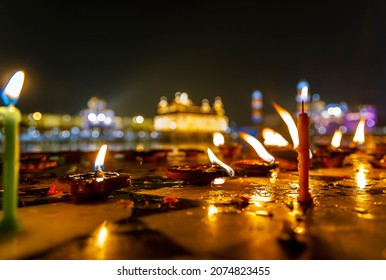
(99, 172)
(302, 106)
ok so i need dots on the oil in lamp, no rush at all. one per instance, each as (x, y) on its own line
(256, 167)
(93, 185)
(199, 174)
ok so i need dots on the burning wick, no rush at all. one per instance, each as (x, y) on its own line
(303, 153)
(99, 162)
(214, 160)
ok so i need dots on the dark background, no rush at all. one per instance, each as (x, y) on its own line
(133, 53)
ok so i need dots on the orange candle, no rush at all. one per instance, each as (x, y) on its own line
(303, 156)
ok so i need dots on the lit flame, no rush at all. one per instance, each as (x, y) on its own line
(359, 136)
(258, 147)
(304, 94)
(99, 162)
(272, 138)
(336, 139)
(214, 159)
(287, 118)
(218, 139)
(13, 88)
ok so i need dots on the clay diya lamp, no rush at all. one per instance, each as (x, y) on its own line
(333, 154)
(330, 157)
(200, 173)
(287, 157)
(190, 152)
(230, 150)
(36, 162)
(280, 148)
(256, 166)
(95, 185)
(378, 163)
(148, 156)
(227, 150)
(195, 173)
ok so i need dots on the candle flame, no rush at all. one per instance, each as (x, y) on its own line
(304, 94)
(336, 139)
(359, 136)
(287, 118)
(13, 88)
(258, 147)
(218, 139)
(214, 159)
(99, 162)
(272, 138)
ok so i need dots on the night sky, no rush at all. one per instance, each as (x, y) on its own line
(133, 54)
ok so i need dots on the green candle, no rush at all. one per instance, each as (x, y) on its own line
(11, 155)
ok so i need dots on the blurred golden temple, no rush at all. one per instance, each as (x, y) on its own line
(182, 115)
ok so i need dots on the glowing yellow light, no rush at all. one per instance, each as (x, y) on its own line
(212, 210)
(287, 118)
(336, 139)
(359, 136)
(272, 138)
(360, 177)
(218, 139)
(14, 86)
(139, 119)
(37, 116)
(102, 236)
(101, 157)
(258, 147)
(214, 159)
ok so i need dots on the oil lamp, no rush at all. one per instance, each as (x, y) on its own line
(228, 150)
(333, 154)
(36, 162)
(256, 167)
(93, 185)
(200, 173)
(280, 148)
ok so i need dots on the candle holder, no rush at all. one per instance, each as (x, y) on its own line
(255, 167)
(92, 185)
(195, 173)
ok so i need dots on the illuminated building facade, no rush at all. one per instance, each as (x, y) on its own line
(97, 115)
(182, 115)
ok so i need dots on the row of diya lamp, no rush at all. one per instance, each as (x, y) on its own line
(99, 184)
(275, 154)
